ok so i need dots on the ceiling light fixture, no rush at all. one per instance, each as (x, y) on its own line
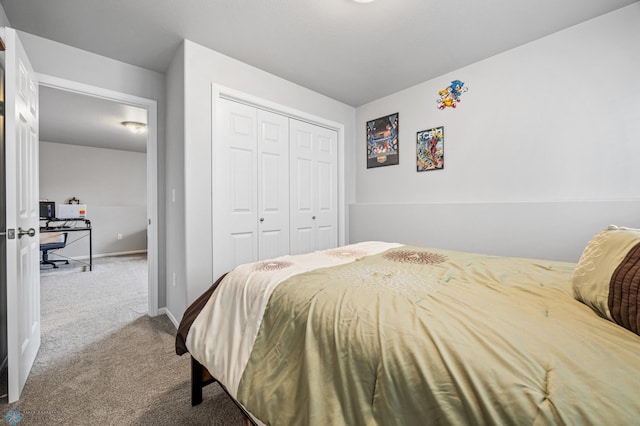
(135, 126)
(363, 1)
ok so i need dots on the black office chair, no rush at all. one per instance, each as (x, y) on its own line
(52, 242)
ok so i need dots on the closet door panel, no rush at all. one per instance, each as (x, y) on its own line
(235, 206)
(326, 239)
(241, 248)
(304, 240)
(302, 206)
(273, 185)
(270, 174)
(242, 189)
(326, 188)
(270, 244)
(304, 196)
(314, 212)
(302, 183)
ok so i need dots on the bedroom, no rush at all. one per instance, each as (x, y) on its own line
(538, 186)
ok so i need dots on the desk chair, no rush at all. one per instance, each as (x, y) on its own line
(52, 241)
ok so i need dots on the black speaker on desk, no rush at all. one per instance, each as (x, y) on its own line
(47, 210)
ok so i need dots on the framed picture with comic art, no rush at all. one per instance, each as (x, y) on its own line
(382, 141)
(430, 149)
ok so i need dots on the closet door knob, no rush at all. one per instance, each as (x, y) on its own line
(262, 219)
(313, 217)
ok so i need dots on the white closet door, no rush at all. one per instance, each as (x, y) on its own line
(313, 193)
(235, 201)
(273, 185)
(326, 188)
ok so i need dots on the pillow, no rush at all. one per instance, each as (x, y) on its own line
(607, 277)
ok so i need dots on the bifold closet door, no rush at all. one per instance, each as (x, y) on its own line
(273, 185)
(251, 185)
(235, 178)
(313, 187)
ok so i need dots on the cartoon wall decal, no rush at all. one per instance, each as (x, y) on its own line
(450, 95)
(430, 149)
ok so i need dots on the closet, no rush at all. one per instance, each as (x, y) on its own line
(274, 185)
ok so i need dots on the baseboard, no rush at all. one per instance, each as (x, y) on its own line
(118, 253)
(169, 315)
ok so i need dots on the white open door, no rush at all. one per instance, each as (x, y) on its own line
(23, 247)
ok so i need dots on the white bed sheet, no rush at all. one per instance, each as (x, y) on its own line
(222, 336)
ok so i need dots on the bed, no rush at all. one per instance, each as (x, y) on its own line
(380, 333)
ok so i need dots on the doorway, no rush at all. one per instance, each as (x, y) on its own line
(67, 87)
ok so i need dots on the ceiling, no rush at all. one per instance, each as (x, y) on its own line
(348, 51)
(76, 119)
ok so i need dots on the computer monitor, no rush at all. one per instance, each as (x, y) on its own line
(47, 210)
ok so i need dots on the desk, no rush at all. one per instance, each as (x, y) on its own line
(71, 225)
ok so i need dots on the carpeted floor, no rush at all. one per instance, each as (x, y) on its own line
(103, 361)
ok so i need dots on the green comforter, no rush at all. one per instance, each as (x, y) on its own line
(418, 336)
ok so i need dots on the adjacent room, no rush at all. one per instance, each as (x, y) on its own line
(89, 158)
(92, 183)
(338, 212)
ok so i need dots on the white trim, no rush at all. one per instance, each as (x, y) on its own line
(152, 164)
(247, 99)
(97, 256)
(119, 253)
(169, 315)
(219, 91)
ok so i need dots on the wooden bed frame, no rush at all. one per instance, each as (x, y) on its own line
(200, 377)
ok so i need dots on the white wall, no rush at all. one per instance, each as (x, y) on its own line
(4, 21)
(202, 68)
(70, 63)
(175, 266)
(59, 60)
(111, 183)
(552, 124)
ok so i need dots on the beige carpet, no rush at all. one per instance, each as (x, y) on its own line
(103, 361)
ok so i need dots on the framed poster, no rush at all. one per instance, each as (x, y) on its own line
(430, 149)
(382, 141)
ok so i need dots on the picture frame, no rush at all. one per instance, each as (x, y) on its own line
(430, 149)
(382, 141)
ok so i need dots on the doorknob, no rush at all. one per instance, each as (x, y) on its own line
(313, 217)
(262, 219)
(30, 232)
